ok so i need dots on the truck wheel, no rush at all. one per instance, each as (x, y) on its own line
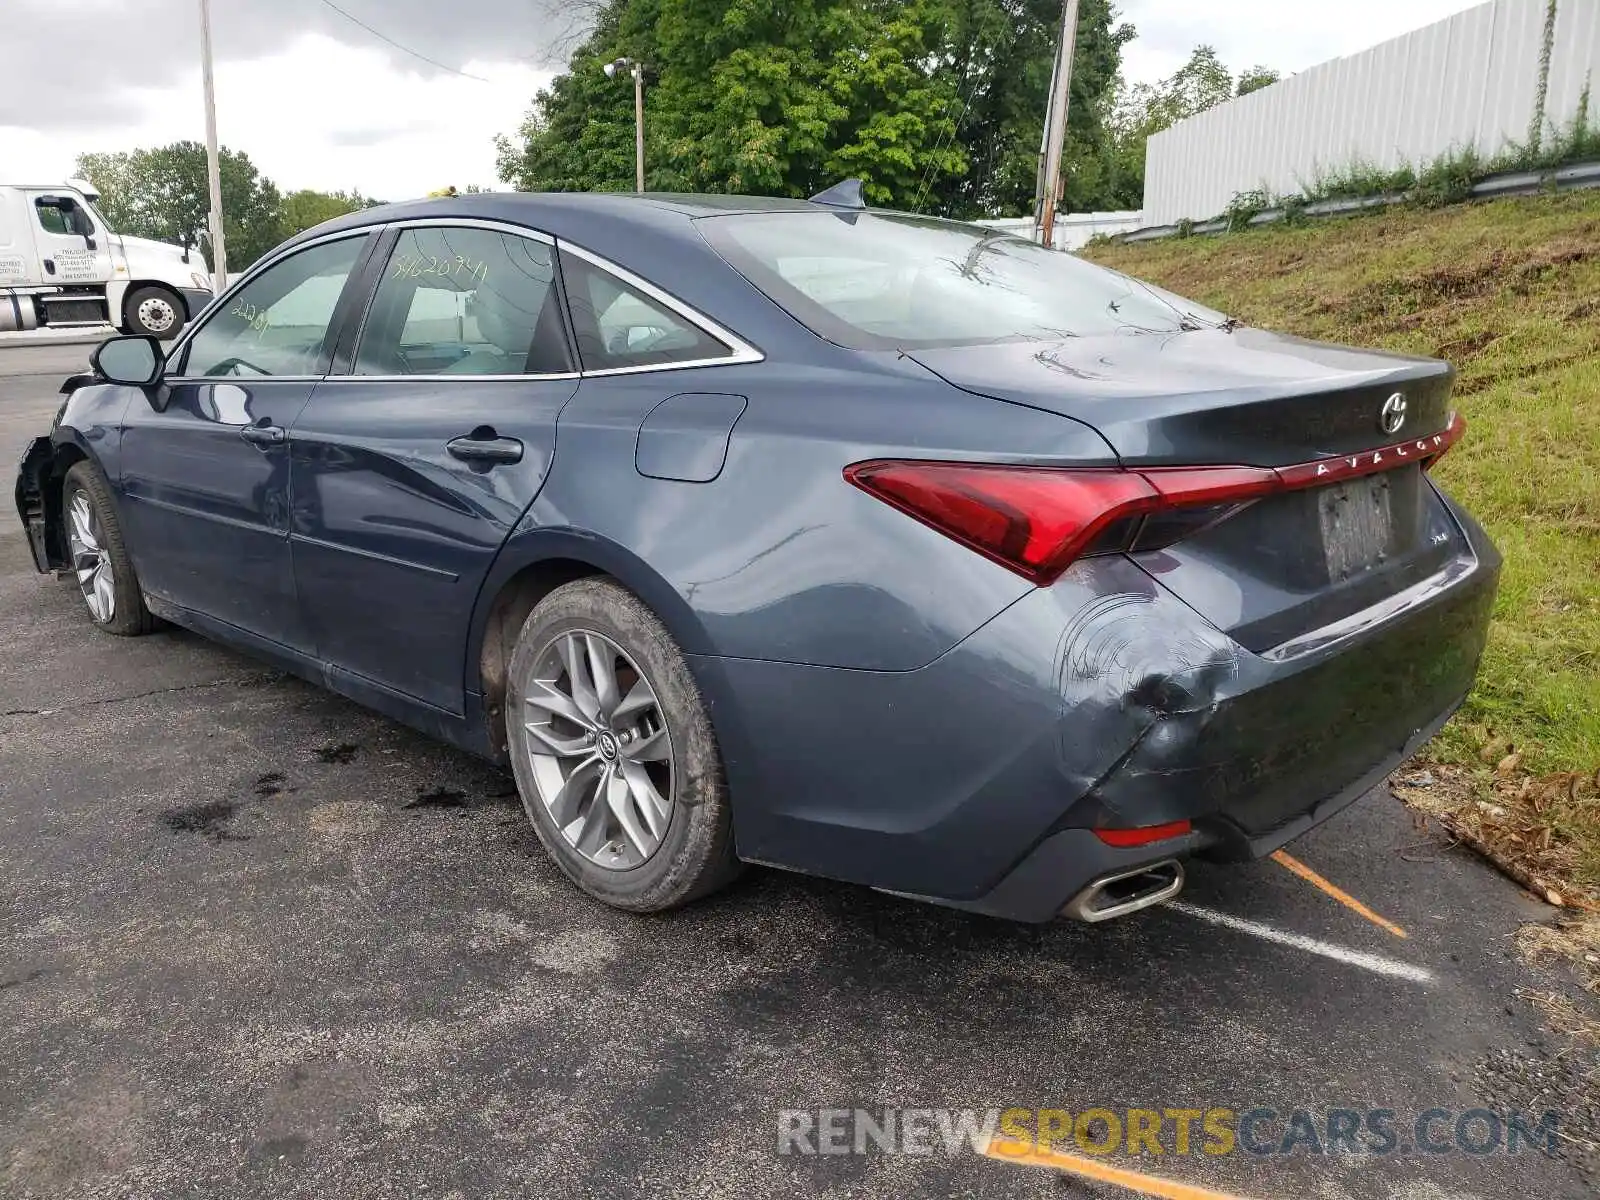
(153, 311)
(100, 561)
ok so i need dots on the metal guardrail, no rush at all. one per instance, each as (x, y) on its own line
(1511, 183)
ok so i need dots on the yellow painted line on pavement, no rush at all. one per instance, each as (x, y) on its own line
(1029, 1155)
(1343, 897)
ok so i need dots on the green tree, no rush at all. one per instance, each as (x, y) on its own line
(934, 104)
(307, 208)
(162, 193)
(1256, 78)
(1136, 113)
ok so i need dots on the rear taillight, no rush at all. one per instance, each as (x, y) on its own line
(1037, 521)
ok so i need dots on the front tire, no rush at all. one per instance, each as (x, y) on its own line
(100, 561)
(153, 311)
(614, 755)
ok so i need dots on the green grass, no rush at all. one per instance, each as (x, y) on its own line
(1508, 291)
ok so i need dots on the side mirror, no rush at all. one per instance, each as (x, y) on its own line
(187, 242)
(131, 361)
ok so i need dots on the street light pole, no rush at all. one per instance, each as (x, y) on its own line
(637, 69)
(219, 252)
(638, 127)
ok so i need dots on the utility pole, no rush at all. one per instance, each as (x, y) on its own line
(1055, 126)
(638, 127)
(219, 252)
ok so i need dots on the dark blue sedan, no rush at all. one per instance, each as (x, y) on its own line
(853, 542)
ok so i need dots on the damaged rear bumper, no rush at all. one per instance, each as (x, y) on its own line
(1101, 702)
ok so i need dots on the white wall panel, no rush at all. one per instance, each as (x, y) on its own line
(1469, 80)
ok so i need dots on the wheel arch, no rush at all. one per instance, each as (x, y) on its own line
(118, 309)
(41, 488)
(527, 570)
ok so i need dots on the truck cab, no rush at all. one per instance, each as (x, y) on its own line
(61, 265)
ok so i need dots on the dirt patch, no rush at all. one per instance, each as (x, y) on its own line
(344, 752)
(210, 820)
(270, 784)
(1532, 828)
(439, 797)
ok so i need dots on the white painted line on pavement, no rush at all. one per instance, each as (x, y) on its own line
(1377, 963)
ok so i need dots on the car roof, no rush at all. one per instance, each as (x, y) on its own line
(549, 209)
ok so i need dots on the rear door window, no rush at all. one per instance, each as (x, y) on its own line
(463, 300)
(618, 326)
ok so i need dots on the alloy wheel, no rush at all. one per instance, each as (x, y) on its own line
(600, 750)
(90, 561)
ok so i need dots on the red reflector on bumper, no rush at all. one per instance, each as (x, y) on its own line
(1143, 837)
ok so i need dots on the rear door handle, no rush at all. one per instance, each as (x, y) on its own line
(478, 449)
(263, 435)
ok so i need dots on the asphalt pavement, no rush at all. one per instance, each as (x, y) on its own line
(258, 942)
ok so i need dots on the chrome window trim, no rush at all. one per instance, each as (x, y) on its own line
(533, 235)
(213, 310)
(740, 351)
(449, 378)
(237, 379)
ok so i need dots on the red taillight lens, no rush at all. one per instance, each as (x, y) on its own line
(1034, 520)
(1038, 520)
(1143, 837)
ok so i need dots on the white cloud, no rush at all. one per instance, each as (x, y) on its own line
(319, 114)
(1274, 33)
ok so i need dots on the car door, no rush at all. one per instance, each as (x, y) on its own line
(205, 470)
(409, 471)
(72, 248)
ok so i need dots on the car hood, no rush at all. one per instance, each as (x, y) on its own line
(1209, 396)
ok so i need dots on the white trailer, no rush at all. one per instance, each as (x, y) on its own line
(61, 265)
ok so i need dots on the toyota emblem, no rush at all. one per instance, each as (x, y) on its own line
(1393, 415)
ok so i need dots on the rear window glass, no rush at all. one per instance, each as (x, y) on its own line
(889, 280)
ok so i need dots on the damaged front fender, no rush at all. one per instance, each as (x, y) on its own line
(38, 505)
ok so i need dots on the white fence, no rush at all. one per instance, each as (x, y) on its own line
(1073, 230)
(1469, 80)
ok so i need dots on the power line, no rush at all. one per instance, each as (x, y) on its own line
(414, 54)
(938, 146)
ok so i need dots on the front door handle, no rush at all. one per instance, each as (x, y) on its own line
(478, 448)
(263, 435)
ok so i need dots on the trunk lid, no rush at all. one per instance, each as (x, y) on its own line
(1248, 396)
(1289, 564)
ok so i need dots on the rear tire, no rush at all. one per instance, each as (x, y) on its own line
(614, 755)
(100, 563)
(153, 311)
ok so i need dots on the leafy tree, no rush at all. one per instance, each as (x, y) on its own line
(934, 104)
(307, 208)
(1138, 112)
(1256, 78)
(162, 193)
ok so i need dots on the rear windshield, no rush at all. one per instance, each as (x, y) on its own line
(879, 281)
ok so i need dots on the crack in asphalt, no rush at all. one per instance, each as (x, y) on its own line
(244, 681)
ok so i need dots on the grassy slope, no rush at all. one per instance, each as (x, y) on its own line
(1509, 291)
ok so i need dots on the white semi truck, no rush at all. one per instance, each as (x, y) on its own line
(61, 265)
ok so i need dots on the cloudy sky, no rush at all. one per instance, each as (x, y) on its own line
(317, 100)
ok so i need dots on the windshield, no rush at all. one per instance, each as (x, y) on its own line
(889, 281)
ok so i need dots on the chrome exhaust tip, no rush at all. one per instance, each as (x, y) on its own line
(1126, 892)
